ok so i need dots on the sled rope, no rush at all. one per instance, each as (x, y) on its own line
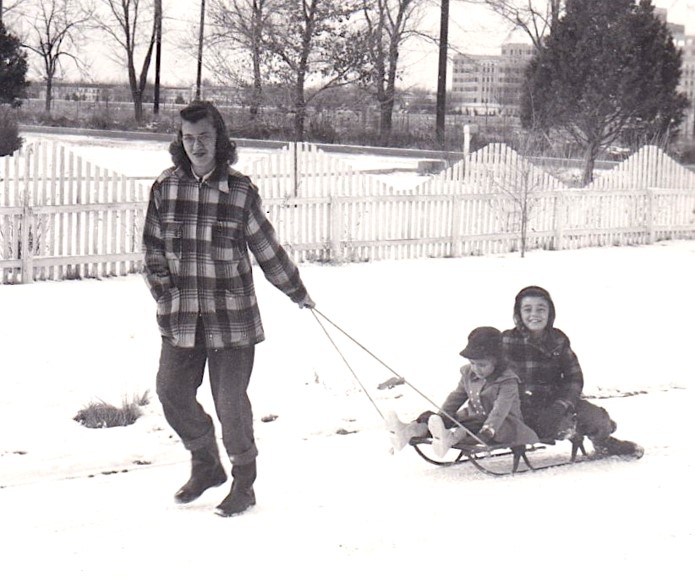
(316, 312)
(342, 356)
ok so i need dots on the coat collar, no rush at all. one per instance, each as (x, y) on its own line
(213, 180)
(548, 343)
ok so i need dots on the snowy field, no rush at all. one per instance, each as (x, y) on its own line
(78, 501)
(145, 159)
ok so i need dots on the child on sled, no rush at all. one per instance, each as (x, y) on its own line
(552, 380)
(485, 402)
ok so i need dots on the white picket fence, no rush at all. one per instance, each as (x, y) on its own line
(327, 211)
(63, 217)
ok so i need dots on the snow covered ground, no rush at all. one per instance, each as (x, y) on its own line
(75, 501)
(145, 159)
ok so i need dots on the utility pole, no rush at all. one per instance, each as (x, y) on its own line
(441, 80)
(200, 50)
(158, 53)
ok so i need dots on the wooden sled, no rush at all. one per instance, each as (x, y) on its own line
(490, 459)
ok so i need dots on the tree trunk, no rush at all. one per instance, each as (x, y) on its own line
(299, 109)
(386, 121)
(590, 155)
(49, 94)
(387, 98)
(137, 103)
(256, 55)
(299, 118)
(257, 92)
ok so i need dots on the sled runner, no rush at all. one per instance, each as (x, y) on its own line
(495, 459)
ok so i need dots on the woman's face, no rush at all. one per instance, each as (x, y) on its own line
(199, 141)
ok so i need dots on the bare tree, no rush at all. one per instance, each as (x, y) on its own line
(8, 6)
(388, 24)
(516, 200)
(122, 25)
(535, 17)
(55, 32)
(313, 41)
(238, 27)
(518, 188)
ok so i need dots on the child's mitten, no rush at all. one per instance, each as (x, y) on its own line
(486, 434)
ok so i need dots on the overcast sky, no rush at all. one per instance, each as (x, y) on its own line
(472, 29)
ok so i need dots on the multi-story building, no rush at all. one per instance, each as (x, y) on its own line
(107, 93)
(490, 85)
(687, 82)
(75, 91)
(687, 85)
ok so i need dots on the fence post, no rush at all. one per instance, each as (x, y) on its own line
(26, 244)
(25, 247)
(295, 168)
(336, 227)
(559, 220)
(456, 203)
(651, 215)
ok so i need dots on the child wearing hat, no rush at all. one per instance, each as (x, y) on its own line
(486, 402)
(552, 379)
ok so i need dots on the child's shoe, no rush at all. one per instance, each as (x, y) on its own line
(442, 438)
(615, 447)
(400, 433)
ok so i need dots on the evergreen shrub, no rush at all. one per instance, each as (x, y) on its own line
(10, 141)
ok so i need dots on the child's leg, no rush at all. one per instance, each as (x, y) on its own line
(400, 432)
(458, 434)
(594, 421)
(442, 438)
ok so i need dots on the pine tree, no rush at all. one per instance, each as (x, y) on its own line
(13, 69)
(608, 72)
(13, 83)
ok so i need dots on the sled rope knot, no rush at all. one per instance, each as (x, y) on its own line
(318, 313)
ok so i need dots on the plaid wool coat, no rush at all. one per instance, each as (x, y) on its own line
(197, 238)
(549, 369)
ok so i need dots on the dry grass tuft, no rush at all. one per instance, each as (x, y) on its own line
(101, 415)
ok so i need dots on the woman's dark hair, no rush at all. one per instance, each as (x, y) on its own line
(225, 149)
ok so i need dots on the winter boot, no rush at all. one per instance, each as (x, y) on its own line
(242, 496)
(442, 438)
(206, 472)
(610, 446)
(400, 433)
